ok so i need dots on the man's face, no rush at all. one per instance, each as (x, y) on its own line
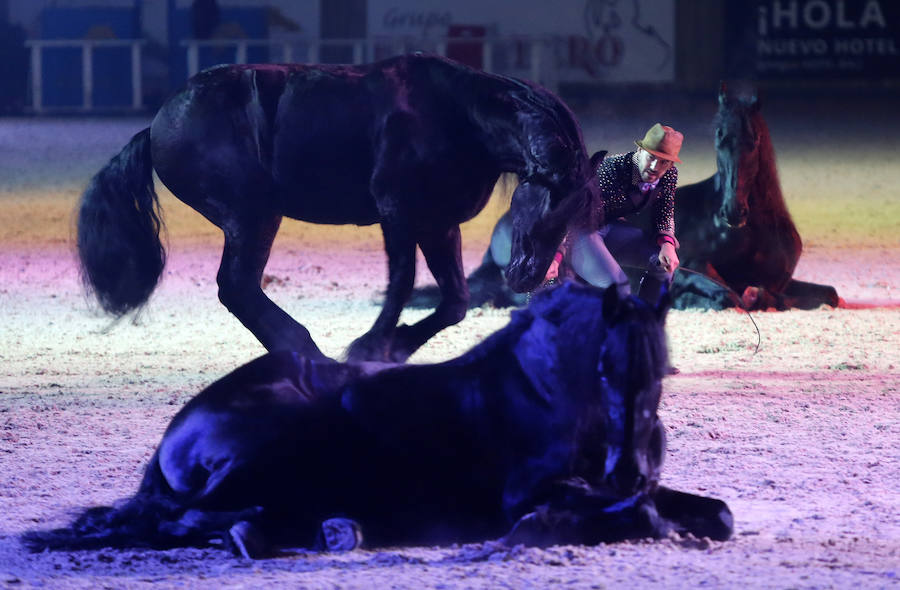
(651, 167)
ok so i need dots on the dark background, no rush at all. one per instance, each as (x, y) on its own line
(812, 47)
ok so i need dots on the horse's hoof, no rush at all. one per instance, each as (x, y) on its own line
(749, 297)
(368, 348)
(248, 541)
(338, 535)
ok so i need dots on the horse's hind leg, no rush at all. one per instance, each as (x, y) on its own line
(248, 242)
(339, 534)
(443, 253)
(803, 295)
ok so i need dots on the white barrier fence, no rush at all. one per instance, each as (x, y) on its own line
(87, 47)
(514, 55)
(520, 56)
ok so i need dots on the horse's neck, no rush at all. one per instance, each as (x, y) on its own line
(702, 197)
(766, 188)
(519, 117)
(505, 137)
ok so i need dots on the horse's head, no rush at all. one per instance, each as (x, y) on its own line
(607, 356)
(632, 364)
(556, 187)
(738, 134)
(541, 213)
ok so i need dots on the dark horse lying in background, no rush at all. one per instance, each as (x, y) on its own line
(735, 227)
(546, 432)
(736, 233)
(414, 143)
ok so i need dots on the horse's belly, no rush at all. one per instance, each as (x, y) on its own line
(342, 201)
(414, 510)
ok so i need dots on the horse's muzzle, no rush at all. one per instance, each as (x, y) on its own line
(734, 219)
(525, 272)
(523, 276)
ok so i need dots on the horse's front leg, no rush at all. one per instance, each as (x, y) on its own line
(443, 254)
(698, 515)
(376, 344)
(803, 295)
(581, 516)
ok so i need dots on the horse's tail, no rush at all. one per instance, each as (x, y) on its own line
(143, 520)
(134, 523)
(119, 248)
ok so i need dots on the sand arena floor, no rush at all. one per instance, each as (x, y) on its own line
(801, 438)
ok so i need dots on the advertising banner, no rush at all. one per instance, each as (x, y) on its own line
(816, 38)
(585, 40)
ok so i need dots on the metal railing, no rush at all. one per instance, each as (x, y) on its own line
(288, 50)
(521, 56)
(530, 51)
(87, 47)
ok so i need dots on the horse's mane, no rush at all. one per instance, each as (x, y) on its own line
(542, 110)
(774, 212)
(768, 186)
(577, 333)
(504, 106)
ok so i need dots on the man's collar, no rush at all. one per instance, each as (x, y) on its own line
(647, 186)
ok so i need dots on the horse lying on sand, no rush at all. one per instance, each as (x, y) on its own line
(413, 143)
(735, 227)
(547, 432)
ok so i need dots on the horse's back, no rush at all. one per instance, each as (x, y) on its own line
(305, 140)
(238, 135)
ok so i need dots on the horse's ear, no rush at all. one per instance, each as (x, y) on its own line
(597, 158)
(723, 94)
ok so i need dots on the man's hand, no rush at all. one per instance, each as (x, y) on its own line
(667, 257)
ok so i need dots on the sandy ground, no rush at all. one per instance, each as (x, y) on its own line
(801, 437)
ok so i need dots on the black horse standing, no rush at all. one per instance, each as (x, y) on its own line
(546, 432)
(415, 143)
